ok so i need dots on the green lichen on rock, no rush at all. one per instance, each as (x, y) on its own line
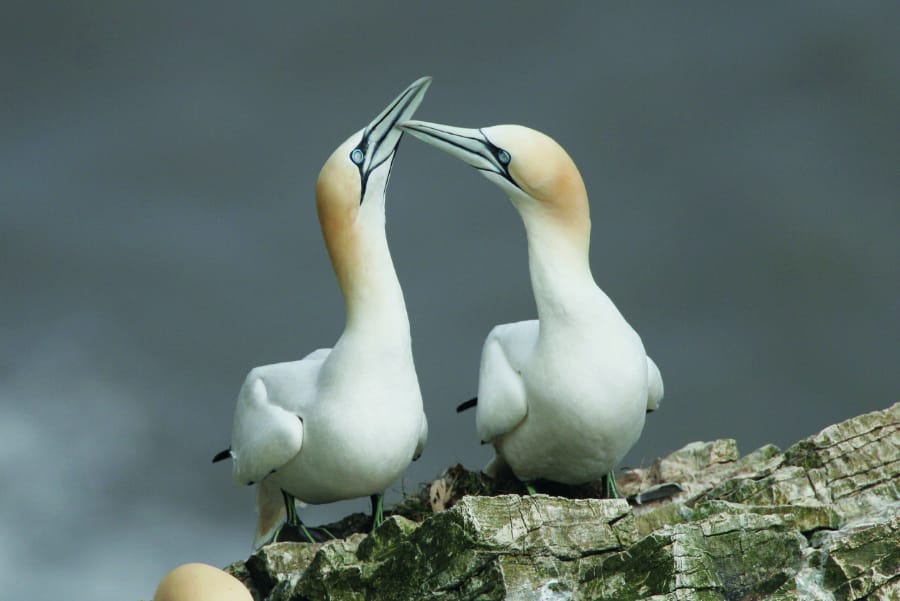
(819, 521)
(864, 557)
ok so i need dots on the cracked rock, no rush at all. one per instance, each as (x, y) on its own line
(820, 521)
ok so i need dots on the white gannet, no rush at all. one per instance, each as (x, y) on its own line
(343, 422)
(562, 397)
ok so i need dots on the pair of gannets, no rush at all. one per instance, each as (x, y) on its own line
(561, 398)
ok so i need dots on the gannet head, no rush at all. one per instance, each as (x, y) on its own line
(351, 186)
(535, 172)
(356, 174)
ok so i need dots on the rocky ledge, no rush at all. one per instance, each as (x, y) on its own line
(819, 521)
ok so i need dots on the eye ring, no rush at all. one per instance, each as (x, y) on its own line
(357, 156)
(503, 157)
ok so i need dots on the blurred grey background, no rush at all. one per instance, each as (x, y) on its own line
(158, 235)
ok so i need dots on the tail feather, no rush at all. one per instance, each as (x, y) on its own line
(270, 513)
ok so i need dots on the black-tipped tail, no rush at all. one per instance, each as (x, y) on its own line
(222, 455)
(467, 405)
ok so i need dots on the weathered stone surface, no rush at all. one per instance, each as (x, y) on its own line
(851, 466)
(698, 467)
(864, 556)
(820, 521)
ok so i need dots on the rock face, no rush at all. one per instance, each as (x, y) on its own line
(820, 521)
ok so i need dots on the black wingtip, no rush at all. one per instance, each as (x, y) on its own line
(222, 455)
(467, 405)
(660, 491)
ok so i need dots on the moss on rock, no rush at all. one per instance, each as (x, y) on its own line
(820, 521)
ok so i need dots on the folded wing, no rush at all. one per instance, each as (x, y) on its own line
(268, 420)
(502, 403)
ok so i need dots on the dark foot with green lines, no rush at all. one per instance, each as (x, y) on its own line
(294, 529)
(302, 534)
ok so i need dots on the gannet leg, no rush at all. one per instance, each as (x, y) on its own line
(293, 519)
(377, 510)
(531, 490)
(612, 491)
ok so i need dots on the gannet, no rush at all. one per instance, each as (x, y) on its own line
(343, 422)
(200, 582)
(562, 397)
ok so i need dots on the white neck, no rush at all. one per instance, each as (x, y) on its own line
(560, 269)
(376, 310)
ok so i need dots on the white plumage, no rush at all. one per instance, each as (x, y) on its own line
(562, 397)
(342, 422)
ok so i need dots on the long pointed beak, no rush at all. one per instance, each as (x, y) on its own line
(471, 146)
(381, 137)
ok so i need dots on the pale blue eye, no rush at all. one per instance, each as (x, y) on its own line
(503, 157)
(357, 156)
